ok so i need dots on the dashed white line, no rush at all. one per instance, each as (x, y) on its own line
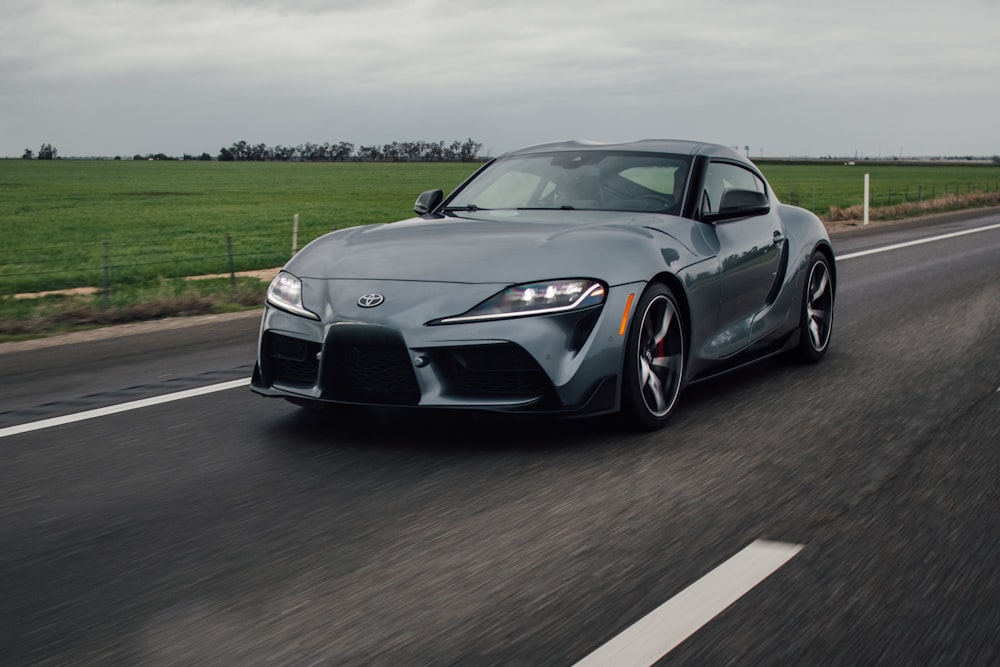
(660, 631)
(663, 629)
(122, 407)
(897, 246)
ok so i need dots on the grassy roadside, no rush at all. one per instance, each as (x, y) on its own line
(905, 210)
(144, 226)
(51, 314)
(72, 223)
(22, 319)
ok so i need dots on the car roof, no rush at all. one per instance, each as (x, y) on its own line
(676, 146)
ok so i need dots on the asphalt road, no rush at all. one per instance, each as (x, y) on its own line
(232, 529)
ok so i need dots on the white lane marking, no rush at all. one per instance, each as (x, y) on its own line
(660, 631)
(157, 400)
(907, 244)
(121, 407)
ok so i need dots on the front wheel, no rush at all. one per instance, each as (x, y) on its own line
(816, 323)
(654, 360)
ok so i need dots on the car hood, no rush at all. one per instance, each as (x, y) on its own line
(492, 247)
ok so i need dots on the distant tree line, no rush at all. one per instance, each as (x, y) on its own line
(343, 151)
(397, 151)
(204, 157)
(46, 152)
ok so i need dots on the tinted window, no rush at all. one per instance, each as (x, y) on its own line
(724, 176)
(593, 180)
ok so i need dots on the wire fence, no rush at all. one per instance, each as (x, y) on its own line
(106, 264)
(821, 200)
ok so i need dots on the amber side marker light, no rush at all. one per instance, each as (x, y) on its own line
(628, 307)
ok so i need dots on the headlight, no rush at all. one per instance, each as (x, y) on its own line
(541, 298)
(285, 292)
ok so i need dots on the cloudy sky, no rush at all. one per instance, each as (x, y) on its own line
(784, 77)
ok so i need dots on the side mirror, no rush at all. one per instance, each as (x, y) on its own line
(428, 201)
(739, 204)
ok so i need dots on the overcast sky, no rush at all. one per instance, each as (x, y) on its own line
(784, 77)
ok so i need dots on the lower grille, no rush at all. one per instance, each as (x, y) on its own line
(294, 372)
(492, 371)
(368, 368)
(290, 360)
(373, 365)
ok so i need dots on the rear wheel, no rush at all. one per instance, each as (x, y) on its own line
(817, 310)
(654, 360)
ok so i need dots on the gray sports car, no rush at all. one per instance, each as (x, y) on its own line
(570, 278)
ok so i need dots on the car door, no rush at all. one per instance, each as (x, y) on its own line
(750, 256)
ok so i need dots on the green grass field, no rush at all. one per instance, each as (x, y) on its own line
(172, 218)
(168, 219)
(820, 187)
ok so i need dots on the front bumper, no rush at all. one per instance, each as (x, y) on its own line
(556, 364)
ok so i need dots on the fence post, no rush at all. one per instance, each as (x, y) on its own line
(232, 268)
(867, 196)
(107, 272)
(295, 234)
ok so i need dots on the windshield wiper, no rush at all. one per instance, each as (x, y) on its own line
(467, 207)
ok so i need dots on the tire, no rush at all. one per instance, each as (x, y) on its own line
(816, 320)
(655, 360)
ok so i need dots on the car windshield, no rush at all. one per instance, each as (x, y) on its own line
(579, 180)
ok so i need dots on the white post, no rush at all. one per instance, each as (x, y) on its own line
(295, 233)
(867, 194)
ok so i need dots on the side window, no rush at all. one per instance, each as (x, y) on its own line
(724, 176)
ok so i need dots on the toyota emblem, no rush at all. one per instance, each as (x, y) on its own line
(370, 300)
